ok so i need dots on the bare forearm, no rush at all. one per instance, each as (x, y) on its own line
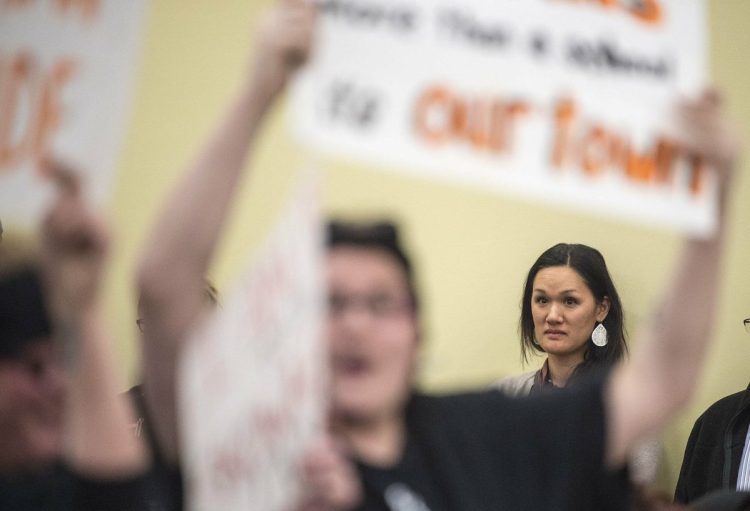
(661, 377)
(171, 273)
(190, 224)
(177, 256)
(159, 391)
(98, 439)
(669, 356)
(684, 321)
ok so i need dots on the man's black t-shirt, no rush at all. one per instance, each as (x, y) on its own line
(485, 451)
(406, 487)
(57, 488)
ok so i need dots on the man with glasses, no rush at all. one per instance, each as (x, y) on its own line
(717, 455)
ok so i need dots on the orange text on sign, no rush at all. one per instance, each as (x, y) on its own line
(487, 124)
(443, 117)
(594, 148)
(31, 108)
(646, 11)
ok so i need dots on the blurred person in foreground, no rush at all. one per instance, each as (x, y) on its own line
(717, 454)
(176, 257)
(481, 451)
(65, 443)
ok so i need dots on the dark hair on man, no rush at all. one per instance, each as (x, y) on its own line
(590, 265)
(24, 315)
(23, 311)
(378, 235)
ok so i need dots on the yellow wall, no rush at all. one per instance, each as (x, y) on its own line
(472, 248)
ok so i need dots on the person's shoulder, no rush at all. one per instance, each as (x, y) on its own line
(517, 385)
(461, 403)
(722, 500)
(458, 414)
(728, 404)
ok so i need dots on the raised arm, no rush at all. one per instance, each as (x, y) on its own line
(97, 443)
(179, 250)
(664, 369)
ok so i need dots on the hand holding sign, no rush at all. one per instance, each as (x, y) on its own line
(331, 483)
(284, 40)
(75, 245)
(704, 130)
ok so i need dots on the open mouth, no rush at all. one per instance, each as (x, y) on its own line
(351, 365)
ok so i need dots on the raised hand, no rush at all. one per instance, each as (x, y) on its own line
(330, 480)
(284, 42)
(704, 130)
(75, 244)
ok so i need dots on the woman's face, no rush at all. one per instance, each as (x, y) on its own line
(565, 312)
(372, 331)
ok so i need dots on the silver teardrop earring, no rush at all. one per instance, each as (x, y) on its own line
(599, 335)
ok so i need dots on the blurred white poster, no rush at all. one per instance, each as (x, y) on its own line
(252, 380)
(66, 75)
(560, 101)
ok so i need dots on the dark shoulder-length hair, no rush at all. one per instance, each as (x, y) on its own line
(590, 265)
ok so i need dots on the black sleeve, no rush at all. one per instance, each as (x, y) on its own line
(541, 452)
(681, 493)
(726, 500)
(129, 494)
(580, 441)
(561, 442)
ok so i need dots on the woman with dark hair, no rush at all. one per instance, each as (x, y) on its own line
(571, 312)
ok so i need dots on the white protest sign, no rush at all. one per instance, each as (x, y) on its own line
(66, 73)
(252, 380)
(559, 101)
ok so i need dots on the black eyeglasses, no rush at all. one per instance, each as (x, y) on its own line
(746, 322)
(378, 305)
